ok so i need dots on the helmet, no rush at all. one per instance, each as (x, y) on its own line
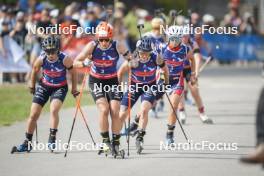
(175, 32)
(145, 44)
(51, 42)
(104, 30)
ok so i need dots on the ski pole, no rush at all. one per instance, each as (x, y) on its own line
(76, 111)
(177, 118)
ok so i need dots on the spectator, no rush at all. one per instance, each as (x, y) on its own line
(235, 18)
(19, 32)
(43, 23)
(257, 156)
(248, 25)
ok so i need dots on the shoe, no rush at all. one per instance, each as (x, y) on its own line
(256, 157)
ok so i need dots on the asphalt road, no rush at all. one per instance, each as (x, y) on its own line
(230, 95)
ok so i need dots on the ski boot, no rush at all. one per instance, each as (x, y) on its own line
(116, 152)
(52, 143)
(52, 140)
(132, 130)
(105, 148)
(25, 147)
(182, 117)
(170, 135)
(205, 119)
(140, 141)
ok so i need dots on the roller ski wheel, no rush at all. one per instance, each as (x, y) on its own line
(118, 153)
(25, 147)
(139, 146)
(106, 148)
(52, 147)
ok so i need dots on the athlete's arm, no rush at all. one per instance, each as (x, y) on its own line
(193, 63)
(166, 74)
(198, 58)
(86, 53)
(35, 70)
(68, 63)
(122, 70)
(121, 49)
(161, 63)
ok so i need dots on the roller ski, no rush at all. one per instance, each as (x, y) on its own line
(169, 140)
(170, 135)
(25, 147)
(140, 141)
(52, 143)
(105, 148)
(52, 140)
(117, 153)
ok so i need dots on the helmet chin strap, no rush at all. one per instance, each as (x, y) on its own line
(145, 61)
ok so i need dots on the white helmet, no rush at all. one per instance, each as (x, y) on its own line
(175, 33)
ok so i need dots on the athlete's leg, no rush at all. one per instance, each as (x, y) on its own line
(144, 109)
(198, 100)
(175, 100)
(55, 106)
(196, 95)
(35, 111)
(103, 107)
(114, 110)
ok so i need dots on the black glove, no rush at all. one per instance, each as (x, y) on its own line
(75, 93)
(32, 90)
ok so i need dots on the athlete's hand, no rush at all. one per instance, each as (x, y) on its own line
(32, 89)
(193, 79)
(75, 93)
(86, 63)
(133, 63)
(196, 75)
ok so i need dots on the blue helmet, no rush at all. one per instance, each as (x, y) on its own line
(145, 44)
(51, 42)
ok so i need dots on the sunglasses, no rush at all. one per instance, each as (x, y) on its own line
(106, 40)
(175, 39)
(51, 51)
(144, 54)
